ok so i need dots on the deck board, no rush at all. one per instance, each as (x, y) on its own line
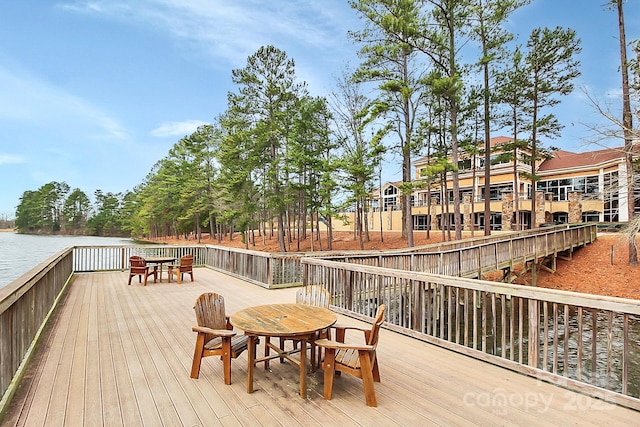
(121, 355)
(109, 404)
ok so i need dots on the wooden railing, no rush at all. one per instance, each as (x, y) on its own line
(262, 268)
(466, 258)
(432, 307)
(108, 258)
(495, 237)
(25, 305)
(589, 343)
(474, 257)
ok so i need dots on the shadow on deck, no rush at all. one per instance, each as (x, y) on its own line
(121, 355)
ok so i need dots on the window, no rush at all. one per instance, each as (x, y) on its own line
(495, 193)
(435, 197)
(560, 188)
(592, 185)
(560, 217)
(464, 164)
(420, 222)
(390, 199)
(590, 216)
(611, 198)
(496, 159)
(450, 196)
(495, 221)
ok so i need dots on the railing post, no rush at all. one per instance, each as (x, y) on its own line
(418, 308)
(305, 273)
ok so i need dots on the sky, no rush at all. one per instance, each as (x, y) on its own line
(94, 92)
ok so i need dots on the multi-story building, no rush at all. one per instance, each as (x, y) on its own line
(571, 187)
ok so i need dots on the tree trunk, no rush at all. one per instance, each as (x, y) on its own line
(627, 123)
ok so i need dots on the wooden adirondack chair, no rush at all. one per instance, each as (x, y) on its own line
(319, 296)
(358, 360)
(185, 266)
(138, 267)
(215, 335)
(316, 295)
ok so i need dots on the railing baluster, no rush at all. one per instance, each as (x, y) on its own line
(625, 353)
(555, 338)
(580, 350)
(594, 343)
(567, 336)
(545, 336)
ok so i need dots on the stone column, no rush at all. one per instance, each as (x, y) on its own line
(548, 215)
(507, 210)
(434, 223)
(575, 207)
(540, 208)
(468, 220)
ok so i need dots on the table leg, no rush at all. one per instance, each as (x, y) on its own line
(303, 368)
(251, 349)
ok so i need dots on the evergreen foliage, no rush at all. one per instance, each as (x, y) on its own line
(281, 162)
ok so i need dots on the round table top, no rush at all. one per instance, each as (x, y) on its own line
(283, 319)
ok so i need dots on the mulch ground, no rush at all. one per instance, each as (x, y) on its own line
(599, 268)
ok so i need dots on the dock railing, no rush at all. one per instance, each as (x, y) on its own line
(27, 302)
(549, 334)
(25, 305)
(466, 258)
(110, 258)
(474, 257)
(261, 268)
(585, 342)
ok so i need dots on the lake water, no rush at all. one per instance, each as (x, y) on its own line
(19, 253)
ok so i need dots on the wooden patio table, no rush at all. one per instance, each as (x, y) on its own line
(159, 261)
(288, 321)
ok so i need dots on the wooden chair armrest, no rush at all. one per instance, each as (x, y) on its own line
(340, 331)
(339, 345)
(348, 327)
(218, 332)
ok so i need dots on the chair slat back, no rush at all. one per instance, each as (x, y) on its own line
(210, 313)
(374, 333)
(137, 261)
(186, 260)
(316, 295)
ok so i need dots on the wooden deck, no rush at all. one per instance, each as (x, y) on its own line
(121, 355)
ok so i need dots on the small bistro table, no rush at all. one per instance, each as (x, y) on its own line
(160, 261)
(287, 321)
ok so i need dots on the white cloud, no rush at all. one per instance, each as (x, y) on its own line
(82, 7)
(6, 159)
(231, 31)
(26, 98)
(171, 129)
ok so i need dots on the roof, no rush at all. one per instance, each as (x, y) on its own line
(566, 159)
(499, 140)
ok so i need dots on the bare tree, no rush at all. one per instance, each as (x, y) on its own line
(627, 127)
